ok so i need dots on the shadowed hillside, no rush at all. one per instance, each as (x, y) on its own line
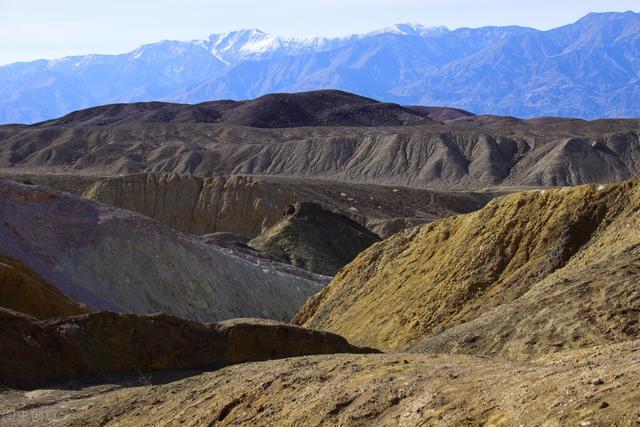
(101, 344)
(314, 239)
(113, 259)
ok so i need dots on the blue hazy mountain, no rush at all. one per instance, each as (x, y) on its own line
(587, 69)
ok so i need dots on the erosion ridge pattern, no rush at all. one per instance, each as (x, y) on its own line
(470, 152)
(248, 205)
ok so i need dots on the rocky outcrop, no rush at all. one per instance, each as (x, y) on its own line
(23, 290)
(530, 273)
(249, 205)
(113, 259)
(388, 227)
(97, 344)
(314, 239)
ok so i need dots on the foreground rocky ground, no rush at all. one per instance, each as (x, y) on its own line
(589, 387)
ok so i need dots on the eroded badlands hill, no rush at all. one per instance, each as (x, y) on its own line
(328, 141)
(113, 259)
(314, 239)
(529, 273)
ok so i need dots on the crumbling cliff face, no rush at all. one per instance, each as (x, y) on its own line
(248, 205)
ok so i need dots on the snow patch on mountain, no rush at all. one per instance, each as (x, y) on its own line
(254, 44)
(410, 29)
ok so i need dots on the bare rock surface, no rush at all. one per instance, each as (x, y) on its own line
(98, 344)
(113, 259)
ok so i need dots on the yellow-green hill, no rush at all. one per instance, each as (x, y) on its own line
(554, 269)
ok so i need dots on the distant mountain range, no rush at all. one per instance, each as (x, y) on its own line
(587, 69)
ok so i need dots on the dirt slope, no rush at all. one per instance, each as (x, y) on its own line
(502, 258)
(23, 290)
(314, 239)
(594, 387)
(117, 260)
(97, 344)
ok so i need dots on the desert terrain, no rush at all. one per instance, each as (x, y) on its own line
(318, 258)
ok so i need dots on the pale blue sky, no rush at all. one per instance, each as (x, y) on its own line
(31, 29)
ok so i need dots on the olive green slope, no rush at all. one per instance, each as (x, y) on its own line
(498, 261)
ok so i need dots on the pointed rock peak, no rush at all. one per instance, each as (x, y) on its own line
(242, 34)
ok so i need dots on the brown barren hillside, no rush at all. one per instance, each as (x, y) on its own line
(324, 134)
(554, 269)
(98, 344)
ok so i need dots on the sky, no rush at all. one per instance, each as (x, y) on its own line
(34, 29)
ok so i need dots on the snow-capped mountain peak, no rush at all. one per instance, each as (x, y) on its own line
(411, 29)
(254, 44)
(502, 70)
